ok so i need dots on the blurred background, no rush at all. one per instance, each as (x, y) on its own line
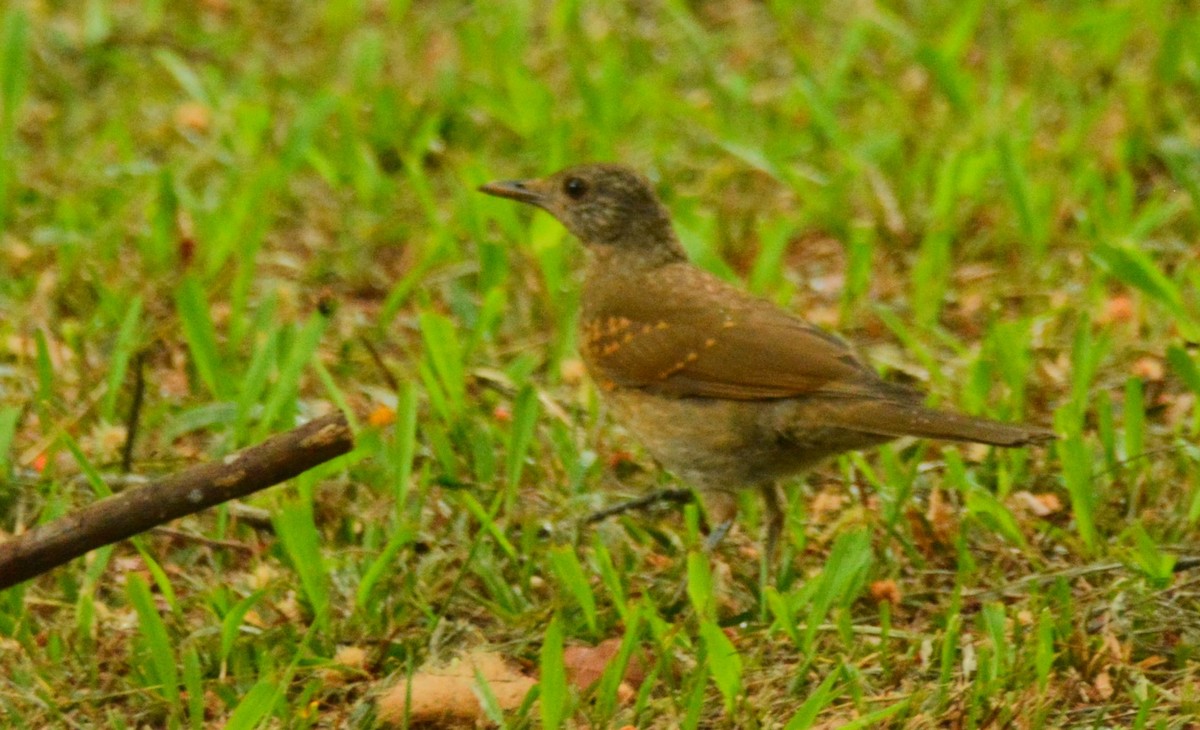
(264, 211)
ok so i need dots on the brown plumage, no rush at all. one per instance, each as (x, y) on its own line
(725, 389)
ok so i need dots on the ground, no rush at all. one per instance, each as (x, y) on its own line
(265, 211)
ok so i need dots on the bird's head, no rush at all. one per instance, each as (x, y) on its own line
(603, 205)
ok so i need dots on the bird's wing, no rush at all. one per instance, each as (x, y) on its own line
(705, 338)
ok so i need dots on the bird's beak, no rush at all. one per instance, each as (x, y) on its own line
(525, 191)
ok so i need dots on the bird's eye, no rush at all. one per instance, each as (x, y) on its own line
(575, 188)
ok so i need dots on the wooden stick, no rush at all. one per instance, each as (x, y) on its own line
(123, 515)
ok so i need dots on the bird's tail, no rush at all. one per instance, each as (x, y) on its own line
(890, 418)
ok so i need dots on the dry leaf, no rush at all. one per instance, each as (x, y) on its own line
(1118, 309)
(1178, 407)
(1042, 505)
(105, 442)
(1118, 652)
(193, 116)
(620, 459)
(942, 519)
(1049, 502)
(827, 503)
(381, 416)
(749, 552)
(572, 372)
(264, 574)
(289, 607)
(825, 316)
(919, 528)
(354, 657)
(348, 662)
(15, 250)
(446, 696)
(586, 664)
(253, 618)
(1103, 685)
(885, 591)
(975, 453)
(658, 561)
(1152, 661)
(1149, 368)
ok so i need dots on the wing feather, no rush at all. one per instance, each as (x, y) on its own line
(705, 338)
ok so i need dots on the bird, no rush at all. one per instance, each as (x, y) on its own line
(726, 390)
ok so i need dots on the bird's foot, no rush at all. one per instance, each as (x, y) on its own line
(679, 599)
(718, 533)
(675, 496)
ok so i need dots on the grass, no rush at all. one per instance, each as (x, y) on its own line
(268, 209)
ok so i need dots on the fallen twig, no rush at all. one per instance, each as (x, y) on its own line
(137, 510)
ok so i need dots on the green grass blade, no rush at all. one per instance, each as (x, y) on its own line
(1185, 367)
(724, 663)
(184, 75)
(254, 706)
(1157, 565)
(608, 692)
(487, 521)
(231, 623)
(14, 78)
(1077, 477)
(700, 585)
(487, 700)
(404, 444)
(570, 574)
(840, 581)
(90, 472)
(302, 543)
(255, 382)
(382, 565)
(524, 424)
(122, 351)
(1044, 653)
(193, 684)
(157, 573)
(873, 719)
(156, 640)
(8, 428)
(201, 336)
(552, 692)
(287, 385)
(1134, 268)
(444, 354)
(820, 698)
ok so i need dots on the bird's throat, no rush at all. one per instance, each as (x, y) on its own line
(642, 252)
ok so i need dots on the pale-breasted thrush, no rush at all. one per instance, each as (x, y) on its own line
(726, 390)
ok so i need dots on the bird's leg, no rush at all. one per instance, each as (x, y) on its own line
(716, 535)
(678, 496)
(775, 518)
(720, 509)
